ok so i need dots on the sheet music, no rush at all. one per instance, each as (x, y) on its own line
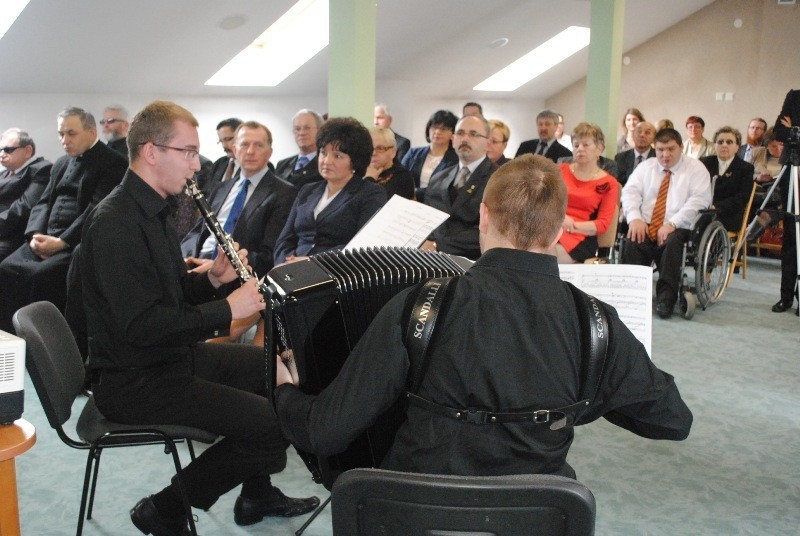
(627, 287)
(400, 223)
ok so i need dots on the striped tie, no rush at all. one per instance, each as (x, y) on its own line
(660, 209)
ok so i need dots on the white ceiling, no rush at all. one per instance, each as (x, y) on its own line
(439, 48)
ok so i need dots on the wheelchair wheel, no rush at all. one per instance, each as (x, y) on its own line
(711, 263)
(687, 304)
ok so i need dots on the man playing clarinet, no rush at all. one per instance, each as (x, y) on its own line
(145, 315)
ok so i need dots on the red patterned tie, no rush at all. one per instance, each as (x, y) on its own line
(660, 209)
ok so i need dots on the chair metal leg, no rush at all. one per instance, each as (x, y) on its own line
(85, 492)
(190, 446)
(184, 497)
(99, 452)
(317, 512)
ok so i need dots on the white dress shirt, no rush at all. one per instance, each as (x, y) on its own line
(689, 191)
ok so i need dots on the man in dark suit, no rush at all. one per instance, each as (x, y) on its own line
(21, 186)
(302, 168)
(115, 128)
(79, 180)
(225, 167)
(731, 177)
(546, 144)
(458, 190)
(264, 209)
(383, 118)
(643, 136)
(755, 138)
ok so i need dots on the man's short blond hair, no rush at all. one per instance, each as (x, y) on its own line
(527, 200)
(156, 123)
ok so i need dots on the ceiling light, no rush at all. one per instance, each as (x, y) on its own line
(290, 42)
(540, 59)
(9, 13)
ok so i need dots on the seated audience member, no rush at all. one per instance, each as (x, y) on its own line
(664, 123)
(472, 108)
(696, 145)
(606, 164)
(498, 141)
(385, 169)
(383, 118)
(253, 208)
(225, 167)
(79, 180)
(546, 144)
(458, 190)
(627, 161)
(302, 168)
(766, 160)
(592, 196)
(755, 139)
(115, 128)
(631, 118)
(732, 178)
(21, 185)
(145, 315)
(423, 162)
(562, 137)
(327, 214)
(660, 202)
(539, 353)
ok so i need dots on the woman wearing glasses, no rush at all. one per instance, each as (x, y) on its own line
(385, 169)
(424, 162)
(327, 214)
(731, 178)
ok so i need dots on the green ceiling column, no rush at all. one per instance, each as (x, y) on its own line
(351, 63)
(605, 66)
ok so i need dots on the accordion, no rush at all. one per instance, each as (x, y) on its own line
(323, 305)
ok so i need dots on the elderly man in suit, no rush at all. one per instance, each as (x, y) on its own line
(302, 168)
(643, 135)
(546, 144)
(21, 186)
(37, 270)
(458, 190)
(253, 208)
(115, 128)
(383, 118)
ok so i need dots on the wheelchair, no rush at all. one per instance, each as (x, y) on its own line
(707, 252)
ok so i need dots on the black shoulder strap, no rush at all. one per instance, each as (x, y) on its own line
(594, 341)
(427, 306)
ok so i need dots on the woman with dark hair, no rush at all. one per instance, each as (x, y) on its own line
(423, 162)
(631, 118)
(731, 177)
(327, 214)
(695, 144)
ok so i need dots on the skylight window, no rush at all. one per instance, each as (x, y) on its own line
(283, 48)
(9, 12)
(540, 59)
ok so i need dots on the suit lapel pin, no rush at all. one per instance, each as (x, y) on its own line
(471, 189)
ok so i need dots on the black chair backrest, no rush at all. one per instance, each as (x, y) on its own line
(374, 501)
(53, 360)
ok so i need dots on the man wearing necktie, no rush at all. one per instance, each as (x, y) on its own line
(660, 201)
(627, 161)
(546, 144)
(252, 208)
(302, 168)
(755, 138)
(225, 167)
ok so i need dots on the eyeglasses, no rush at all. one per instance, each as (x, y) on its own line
(725, 142)
(9, 150)
(111, 121)
(381, 149)
(471, 134)
(226, 139)
(302, 129)
(189, 154)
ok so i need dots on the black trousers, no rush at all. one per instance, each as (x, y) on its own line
(788, 261)
(667, 258)
(221, 390)
(25, 278)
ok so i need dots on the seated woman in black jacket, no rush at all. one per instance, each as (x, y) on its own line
(424, 162)
(731, 177)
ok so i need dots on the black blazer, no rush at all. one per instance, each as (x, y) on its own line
(120, 145)
(301, 177)
(18, 194)
(458, 235)
(100, 169)
(731, 190)
(554, 152)
(403, 145)
(259, 226)
(625, 162)
(415, 158)
(335, 226)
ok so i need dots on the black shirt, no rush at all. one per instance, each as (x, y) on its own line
(142, 307)
(509, 341)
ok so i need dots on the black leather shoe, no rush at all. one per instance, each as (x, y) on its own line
(248, 511)
(781, 307)
(147, 519)
(664, 309)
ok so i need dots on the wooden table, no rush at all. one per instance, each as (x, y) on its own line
(14, 440)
